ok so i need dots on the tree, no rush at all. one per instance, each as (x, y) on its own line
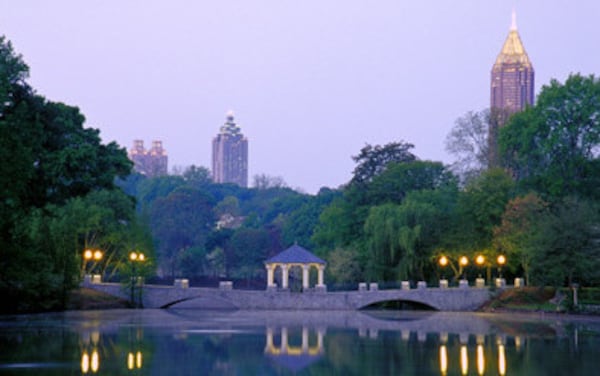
(568, 247)
(479, 209)
(373, 160)
(179, 221)
(263, 181)
(468, 142)
(516, 236)
(247, 251)
(197, 177)
(48, 160)
(552, 147)
(393, 184)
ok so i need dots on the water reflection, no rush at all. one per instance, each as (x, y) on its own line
(281, 343)
(90, 358)
(290, 356)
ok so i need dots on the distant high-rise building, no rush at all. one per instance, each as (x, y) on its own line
(512, 86)
(512, 75)
(152, 162)
(230, 154)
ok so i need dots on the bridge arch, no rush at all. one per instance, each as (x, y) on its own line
(203, 301)
(400, 304)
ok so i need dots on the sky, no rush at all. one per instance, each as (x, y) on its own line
(311, 82)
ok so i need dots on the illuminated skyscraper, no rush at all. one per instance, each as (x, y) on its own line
(152, 162)
(512, 86)
(230, 154)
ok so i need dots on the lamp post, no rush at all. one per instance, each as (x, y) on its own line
(480, 261)
(89, 255)
(443, 261)
(463, 261)
(501, 260)
(136, 257)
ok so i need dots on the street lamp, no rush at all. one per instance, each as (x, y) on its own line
(136, 257)
(443, 261)
(89, 255)
(463, 261)
(501, 260)
(480, 261)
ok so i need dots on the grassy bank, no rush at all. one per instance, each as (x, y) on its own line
(543, 299)
(85, 299)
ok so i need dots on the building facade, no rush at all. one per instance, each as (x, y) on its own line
(152, 162)
(230, 154)
(512, 86)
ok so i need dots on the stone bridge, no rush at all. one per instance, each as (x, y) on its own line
(441, 299)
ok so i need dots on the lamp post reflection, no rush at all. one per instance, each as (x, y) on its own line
(443, 359)
(501, 360)
(464, 360)
(134, 361)
(90, 357)
(480, 360)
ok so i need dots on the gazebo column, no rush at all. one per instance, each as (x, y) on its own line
(304, 340)
(284, 276)
(305, 269)
(270, 276)
(320, 285)
(284, 341)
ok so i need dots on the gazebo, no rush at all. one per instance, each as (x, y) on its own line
(294, 256)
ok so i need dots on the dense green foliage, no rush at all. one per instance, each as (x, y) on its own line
(57, 194)
(202, 229)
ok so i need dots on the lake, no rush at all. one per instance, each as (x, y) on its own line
(194, 342)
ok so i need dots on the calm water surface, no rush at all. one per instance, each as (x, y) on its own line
(191, 342)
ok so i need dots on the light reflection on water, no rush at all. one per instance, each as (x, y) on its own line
(301, 342)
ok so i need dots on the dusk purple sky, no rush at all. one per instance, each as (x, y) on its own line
(310, 82)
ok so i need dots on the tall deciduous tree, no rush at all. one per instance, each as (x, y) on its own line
(468, 142)
(568, 245)
(399, 179)
(47, 159)
(182, 220)
(516, 236)
(553, 147)
(480, 208)
(373, 160)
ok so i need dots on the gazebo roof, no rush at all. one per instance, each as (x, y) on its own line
(295, 255)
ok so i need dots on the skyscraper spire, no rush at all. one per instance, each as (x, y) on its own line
(513, 25)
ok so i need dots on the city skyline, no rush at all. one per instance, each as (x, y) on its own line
(311, 83)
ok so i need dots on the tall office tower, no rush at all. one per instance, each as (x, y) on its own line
(512, 86)
(230, 154)
(512, 75)
(152, 162)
